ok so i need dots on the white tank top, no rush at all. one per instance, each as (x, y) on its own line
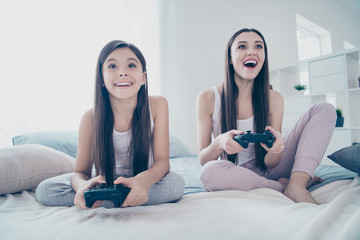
(246, 154)
(122, 142)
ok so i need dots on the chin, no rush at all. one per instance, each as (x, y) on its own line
(249, 77)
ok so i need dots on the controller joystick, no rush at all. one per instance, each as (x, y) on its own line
(244, 139)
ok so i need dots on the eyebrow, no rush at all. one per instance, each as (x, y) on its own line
(114, 59)
(247, 42)
(129, 59)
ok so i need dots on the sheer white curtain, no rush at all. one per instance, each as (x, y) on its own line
(48, 53)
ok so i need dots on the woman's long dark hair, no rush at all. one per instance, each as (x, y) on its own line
(260, 100)
(103, 153)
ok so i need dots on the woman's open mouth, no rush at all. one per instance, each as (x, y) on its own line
(250, 63)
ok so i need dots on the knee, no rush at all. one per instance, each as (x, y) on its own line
(43, 193)
(326, 109)
(209, 174)
(178, 183)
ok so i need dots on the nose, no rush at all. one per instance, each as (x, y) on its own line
(123, 72)
(251, 51)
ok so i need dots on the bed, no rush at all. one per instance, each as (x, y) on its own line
(257, 214)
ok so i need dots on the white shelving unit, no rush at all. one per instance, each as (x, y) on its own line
(332, 78)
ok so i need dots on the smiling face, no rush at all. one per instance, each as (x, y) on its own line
(247, 55)
(122, 73)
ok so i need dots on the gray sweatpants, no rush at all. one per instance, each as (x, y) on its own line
(304, 147)
(57, 191)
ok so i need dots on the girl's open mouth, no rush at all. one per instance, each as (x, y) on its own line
(123, 84)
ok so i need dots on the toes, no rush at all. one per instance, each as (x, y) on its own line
(315, 180)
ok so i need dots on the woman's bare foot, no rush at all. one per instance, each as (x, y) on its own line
(313, 181)
(296, 189)
(284, 182)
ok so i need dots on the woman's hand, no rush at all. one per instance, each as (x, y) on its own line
(274, 154)
(278, 145)
(139, 192)
(79, 196)
(227, 142)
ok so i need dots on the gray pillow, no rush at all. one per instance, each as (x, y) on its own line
(348, 157)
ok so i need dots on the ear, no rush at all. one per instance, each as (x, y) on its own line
(143, 80)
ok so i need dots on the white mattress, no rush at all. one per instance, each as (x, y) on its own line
(256, 214)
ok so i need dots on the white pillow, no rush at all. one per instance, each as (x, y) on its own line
(23, 167)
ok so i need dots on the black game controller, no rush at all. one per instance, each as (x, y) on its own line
(244, 139)
(116, 193)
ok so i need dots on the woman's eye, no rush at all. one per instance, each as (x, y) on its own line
(242, 46)
(112, 66)
(131, 65)
(259, 46)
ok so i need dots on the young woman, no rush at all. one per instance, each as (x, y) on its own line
(125, 135)
(244, 102)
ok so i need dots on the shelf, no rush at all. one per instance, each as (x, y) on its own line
(354, 89)
(332, 78)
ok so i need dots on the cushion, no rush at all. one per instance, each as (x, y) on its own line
(178, 149)
(67, 141)
(23, 167)
(348, 157)
(63, 141)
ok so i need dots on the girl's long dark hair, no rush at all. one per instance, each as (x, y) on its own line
(103, 153)
(260, 100)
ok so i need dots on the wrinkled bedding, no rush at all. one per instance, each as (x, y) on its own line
(257, 214)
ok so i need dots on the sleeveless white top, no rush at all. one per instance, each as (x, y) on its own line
(122, 142)
(247, 154)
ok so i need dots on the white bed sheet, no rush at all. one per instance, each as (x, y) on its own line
(257, 214)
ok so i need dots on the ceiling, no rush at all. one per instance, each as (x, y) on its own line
(352, 5)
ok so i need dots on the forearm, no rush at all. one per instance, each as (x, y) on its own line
(155, 173)
(77, 179)
(272, 159)
(212, 152)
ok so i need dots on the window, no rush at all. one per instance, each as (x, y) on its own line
(312, 39)
(48, 55)
(348, 45)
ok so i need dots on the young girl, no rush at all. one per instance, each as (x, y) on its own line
(245, 102)
(125, 135)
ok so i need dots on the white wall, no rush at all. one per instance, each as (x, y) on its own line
(48, 52)
(194, 33)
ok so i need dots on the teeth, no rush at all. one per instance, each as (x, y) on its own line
(250, 62)
(123, 84)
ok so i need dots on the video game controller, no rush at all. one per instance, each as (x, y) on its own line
(116, 193)
(244, 139)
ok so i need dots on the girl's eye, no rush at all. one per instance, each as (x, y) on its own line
(131, 65)
(242, 46)
(259, 46)
(112, 66)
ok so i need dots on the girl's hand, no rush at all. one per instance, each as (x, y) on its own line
(138, 194)
(278, 145)
(227, 142)
(79, 196)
